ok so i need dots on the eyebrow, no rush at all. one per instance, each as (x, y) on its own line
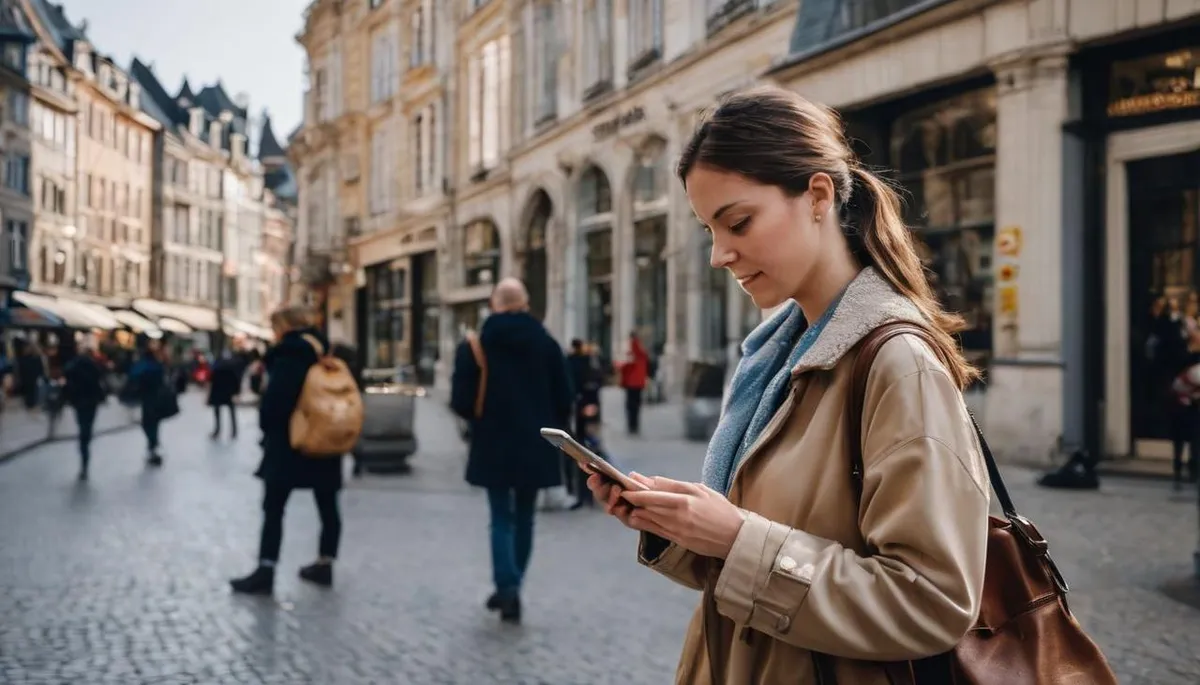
(724, 208)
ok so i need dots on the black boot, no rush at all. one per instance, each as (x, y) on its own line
(493, 602)
(318, 573)
(261, 582)
(510, 609)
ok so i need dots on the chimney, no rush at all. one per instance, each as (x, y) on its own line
(214, 134)
(237, 145)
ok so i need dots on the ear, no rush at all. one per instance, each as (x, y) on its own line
(822, 192)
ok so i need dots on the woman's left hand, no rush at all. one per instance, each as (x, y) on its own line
(691, 515)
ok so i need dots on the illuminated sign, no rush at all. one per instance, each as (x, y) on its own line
(1158, 83)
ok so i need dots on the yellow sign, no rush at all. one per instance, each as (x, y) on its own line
(1009, 300)
(1008, 241)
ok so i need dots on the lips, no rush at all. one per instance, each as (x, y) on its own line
(747, 280)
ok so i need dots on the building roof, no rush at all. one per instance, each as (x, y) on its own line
(155, 100)
(268, 145)
(14, 25)
(185, 94)
(215, 100)
(54, 19)
(282, 182)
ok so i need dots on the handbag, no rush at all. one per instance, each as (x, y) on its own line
(1025, 633)
(481, 362)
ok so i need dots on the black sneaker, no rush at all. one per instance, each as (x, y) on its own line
(493, 602)
(318, 573)
(261, 582)
(155, 459)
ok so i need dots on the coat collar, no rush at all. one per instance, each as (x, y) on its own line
(868, 302)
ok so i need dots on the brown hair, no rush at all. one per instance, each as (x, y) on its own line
(292, 318)
(776, 137)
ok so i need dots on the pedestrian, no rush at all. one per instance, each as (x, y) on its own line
(84, 390)
(793, 566)
(284, 469)
(634, 372)
(148, 384)
(525, 387)
(222, 389)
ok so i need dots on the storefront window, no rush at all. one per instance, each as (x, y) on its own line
(387, 288)
(426, 331)
(944, 155)
(481, 253)
(1168, 81)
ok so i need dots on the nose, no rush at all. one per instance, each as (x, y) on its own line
(722, 255)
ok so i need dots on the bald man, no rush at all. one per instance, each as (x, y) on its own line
(520, 373)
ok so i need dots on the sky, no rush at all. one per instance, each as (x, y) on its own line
(248, 44)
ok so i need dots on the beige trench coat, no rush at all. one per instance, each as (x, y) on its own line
(798, 577)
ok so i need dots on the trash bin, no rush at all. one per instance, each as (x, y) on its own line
(702, 399)
(389, 422)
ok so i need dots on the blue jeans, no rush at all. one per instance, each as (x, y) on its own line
(512, 536)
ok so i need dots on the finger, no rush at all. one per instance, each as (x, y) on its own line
(598, 485)
(665, 484)
(656, 499)
(641, 520)
(648, 481)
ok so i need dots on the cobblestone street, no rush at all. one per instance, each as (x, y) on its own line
(123, 580)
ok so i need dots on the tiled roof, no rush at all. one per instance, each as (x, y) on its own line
(54, 19)
(155, 100)
(268, 145)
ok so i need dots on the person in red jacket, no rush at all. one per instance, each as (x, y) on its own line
(634, 371)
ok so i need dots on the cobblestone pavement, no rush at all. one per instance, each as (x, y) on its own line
(22, 429)
(123, 580)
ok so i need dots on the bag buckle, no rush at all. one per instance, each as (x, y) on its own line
(1029, 534)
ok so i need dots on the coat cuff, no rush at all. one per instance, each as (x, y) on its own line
(659, 553)
(766, 577)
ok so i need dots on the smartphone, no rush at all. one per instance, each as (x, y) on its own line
(591, 461)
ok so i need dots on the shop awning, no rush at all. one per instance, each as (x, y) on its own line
(28, 317)
(137, 323)
(250, 329)
(198, 318)
(174, 326)
(72, 314)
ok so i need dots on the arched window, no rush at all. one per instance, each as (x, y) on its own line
(650, 175)
(595, 194)
(481, 253)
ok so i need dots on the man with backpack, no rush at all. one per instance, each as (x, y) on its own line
(509, 382)
(310, 416)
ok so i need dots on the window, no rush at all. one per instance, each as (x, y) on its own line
(18, 243)
(383, 66)
(544, 73)
(595, 194)
(18, 107)
(16, 173)
(377, 184)
(645, 32)
(14, 57)
(481, 253)
(417, 39)
(597, 46)
(485, 105)
(418, 132)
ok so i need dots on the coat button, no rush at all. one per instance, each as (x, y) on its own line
(787, 564)
(783, 624)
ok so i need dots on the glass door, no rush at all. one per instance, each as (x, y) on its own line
(1164, 216)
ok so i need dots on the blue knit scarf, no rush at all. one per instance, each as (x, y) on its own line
(757, 389)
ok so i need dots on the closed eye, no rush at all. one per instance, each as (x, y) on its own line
(740, 226)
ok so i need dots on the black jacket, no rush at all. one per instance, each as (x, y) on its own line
(287, 366)
(84, 387)
(527, 389)
(225, 383)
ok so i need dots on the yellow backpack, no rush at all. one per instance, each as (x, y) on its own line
(328, 417)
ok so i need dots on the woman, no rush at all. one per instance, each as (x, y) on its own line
(224, 387)
(790, 563)
(284, 469)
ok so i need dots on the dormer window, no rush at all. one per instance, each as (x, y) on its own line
(196, 121)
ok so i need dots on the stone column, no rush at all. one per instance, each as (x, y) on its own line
(1024, 414)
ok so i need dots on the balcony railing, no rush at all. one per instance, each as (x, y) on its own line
(821, 24)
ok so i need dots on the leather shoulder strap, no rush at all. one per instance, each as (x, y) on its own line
(481, 362)
(868, 348)
(316, 344)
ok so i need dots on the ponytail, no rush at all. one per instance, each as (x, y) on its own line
(880, 239)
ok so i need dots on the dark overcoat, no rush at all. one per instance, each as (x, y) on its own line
(528, 388)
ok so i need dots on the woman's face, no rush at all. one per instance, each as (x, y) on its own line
(768, 240)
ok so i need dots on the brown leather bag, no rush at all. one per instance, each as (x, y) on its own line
(481, 362)
(1025, 633)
